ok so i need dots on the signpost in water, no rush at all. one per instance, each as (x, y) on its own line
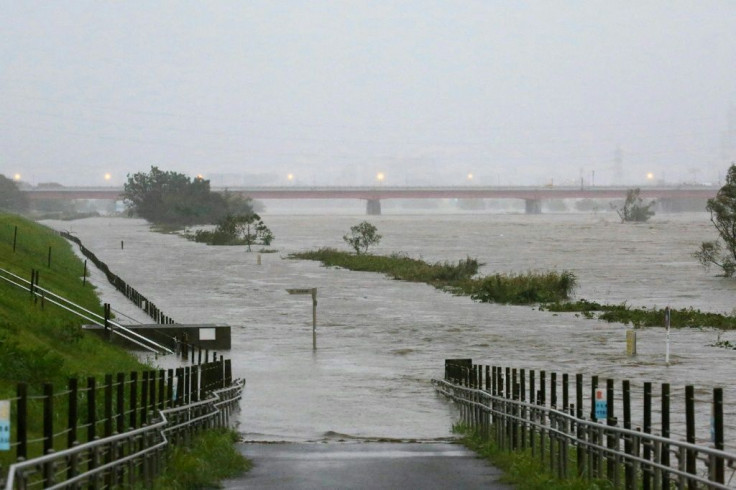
(313, 292)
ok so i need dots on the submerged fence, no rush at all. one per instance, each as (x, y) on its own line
(113, 433)
(508, 406)
(126, 289)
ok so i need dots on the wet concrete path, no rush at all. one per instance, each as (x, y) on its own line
(365, 465)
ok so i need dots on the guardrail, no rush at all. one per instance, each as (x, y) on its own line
(493, 402)
(127, 443)
(46, 296)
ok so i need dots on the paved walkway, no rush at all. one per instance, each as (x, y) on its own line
(365, 465)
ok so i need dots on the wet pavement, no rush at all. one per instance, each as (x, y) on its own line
(365, 465)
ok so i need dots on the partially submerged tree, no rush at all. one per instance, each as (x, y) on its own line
(244, 229)
(362, 236)
(253, 231)
(722, 210)
(634, 209)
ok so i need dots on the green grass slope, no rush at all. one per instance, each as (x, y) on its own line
(46, 344)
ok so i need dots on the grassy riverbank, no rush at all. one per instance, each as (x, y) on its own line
(520, 289)
(44, 343)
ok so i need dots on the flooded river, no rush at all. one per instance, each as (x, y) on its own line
(380, 341)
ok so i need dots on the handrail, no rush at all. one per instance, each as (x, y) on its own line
(47, 458)
(162, 427)
(94, 317)
(564, 415)
(559, 425)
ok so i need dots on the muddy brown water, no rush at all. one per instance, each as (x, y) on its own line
(380, 341)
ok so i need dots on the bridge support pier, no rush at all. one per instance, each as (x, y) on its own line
(373, 207)
(533, 206)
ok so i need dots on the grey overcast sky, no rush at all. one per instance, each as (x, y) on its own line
(333, 92)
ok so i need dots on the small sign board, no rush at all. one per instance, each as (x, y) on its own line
(207, 334)
(4, 425)
(601, 404)
(300, 291)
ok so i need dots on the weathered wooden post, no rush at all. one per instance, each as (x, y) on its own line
(161, 389)
(593, 461)
(152, 391)
(144, 397)
(646, 471)
(91, 414)
(690, 432)
(120, 416)
(169, 388)
(579, 427)
(71, 436)
(717, 469)
(665, 433)
(611, 420)
(133, 408)
(629, 465)
(15, 237)
(48, 432)
(107, 313)
(524, 412)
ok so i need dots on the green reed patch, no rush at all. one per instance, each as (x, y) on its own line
(528, 288)
(644, 317)
(459, 278)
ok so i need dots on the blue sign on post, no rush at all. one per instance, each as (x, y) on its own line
(4, 425)
(601, 404)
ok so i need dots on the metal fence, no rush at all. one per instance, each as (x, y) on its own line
(120, 284)
(114, 434)
(493, 402)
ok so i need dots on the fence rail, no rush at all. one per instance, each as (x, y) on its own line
(114, 433)
(493, 402)
(46, 296)
(126, 289)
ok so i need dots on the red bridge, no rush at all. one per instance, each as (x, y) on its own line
(533, 196)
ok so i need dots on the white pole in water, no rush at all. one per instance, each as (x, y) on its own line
(667, 326)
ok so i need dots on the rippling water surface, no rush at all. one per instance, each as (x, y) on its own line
(380, 341)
